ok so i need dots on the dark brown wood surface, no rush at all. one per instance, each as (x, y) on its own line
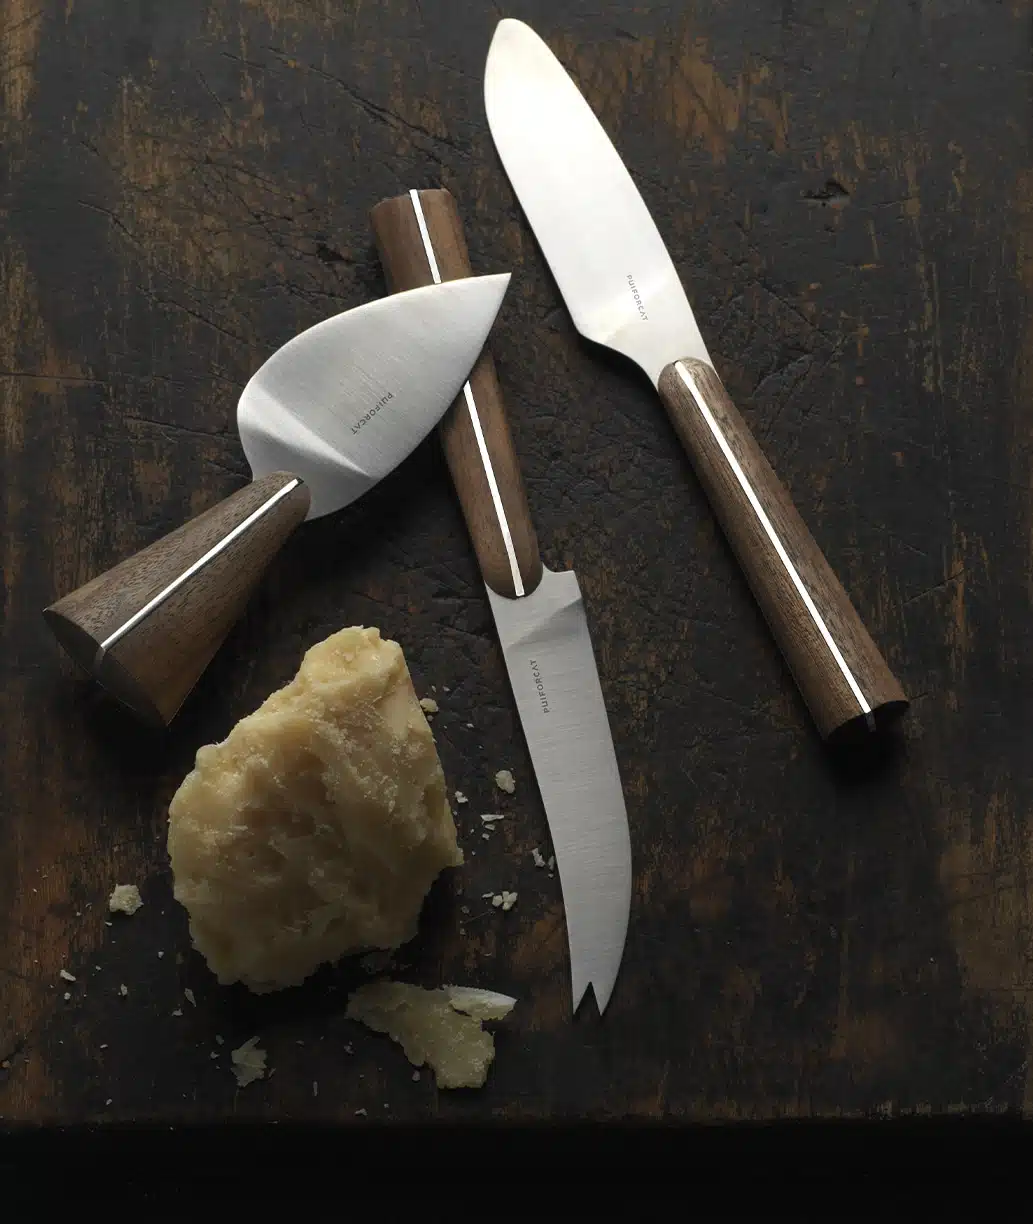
(831, 684)
(846, 190)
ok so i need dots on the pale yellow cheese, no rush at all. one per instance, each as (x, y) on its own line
(318, 825)
(125, 899)
(248, 1062)
(427, 1024)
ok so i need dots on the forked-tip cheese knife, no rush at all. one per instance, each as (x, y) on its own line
(540, 619)
(622, 291)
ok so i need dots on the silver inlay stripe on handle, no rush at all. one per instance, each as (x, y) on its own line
(769, 530)
(475, 418)
(193, 569)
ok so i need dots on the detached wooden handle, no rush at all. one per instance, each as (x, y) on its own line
(474, 432)
(148, 628)
(845, 681)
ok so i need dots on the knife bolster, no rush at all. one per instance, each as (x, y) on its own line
(841, 674)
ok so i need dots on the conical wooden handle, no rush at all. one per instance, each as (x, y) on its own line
(148, 628)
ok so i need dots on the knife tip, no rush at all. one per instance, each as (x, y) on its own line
(601, 992)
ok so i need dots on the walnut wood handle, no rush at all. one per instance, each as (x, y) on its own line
(148, 628)
(845, 681)
(420, 238)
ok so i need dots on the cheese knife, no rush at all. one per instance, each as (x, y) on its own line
(328, 415)
(540, 618)
(623, 291)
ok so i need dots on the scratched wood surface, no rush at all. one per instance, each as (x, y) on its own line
(846, 189)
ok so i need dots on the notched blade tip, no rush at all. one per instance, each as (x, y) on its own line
(601, 995)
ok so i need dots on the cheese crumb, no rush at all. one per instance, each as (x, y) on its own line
(125, 899)
(505, 899)
(416, 1077)
(428, 705)
(188, 994)
(218, 1039)
(505, 781)
(67, 995)
(461, 798)
(248, 1062)
(66, 976)
(491, 817)
(481, 1004)
(486, 836)
(433, 1027)
(315, 1088)
(539, 858)
(123, 990)
(360, 1113)
(104, 1045)
(160, 955)
(178, 1011)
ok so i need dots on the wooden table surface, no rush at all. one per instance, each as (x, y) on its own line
(846, 190)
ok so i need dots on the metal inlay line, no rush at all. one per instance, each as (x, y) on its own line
(769, 530)
(196, 567)
(475, 419)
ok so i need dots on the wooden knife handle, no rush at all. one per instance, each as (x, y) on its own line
(420, 239)
(148, 628)
(845, 681)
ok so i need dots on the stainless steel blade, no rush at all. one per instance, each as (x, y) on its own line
(604, 250)
(553, 673)
(343, 403)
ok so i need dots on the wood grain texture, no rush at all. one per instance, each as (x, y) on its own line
(833, 682)
(152, 666)
(406, 266)
(184, 187)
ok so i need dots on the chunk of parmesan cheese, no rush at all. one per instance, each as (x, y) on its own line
(439, 1028)
(505, 781)
(318, 826)
(248, 1062)
(428, 705)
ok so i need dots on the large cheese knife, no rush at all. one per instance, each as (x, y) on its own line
(622, 290)
(540, 619)
(329, 414)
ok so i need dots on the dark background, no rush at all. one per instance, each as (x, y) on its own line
(846, 189)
